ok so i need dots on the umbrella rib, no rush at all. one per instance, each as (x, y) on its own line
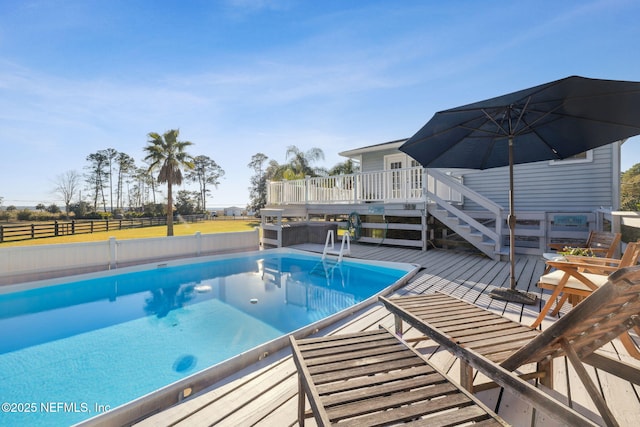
(488, 116)
(607, 122)
(520, 116)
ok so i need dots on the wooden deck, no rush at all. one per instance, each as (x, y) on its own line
(265, 394)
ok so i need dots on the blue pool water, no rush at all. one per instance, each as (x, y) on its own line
(70, 351)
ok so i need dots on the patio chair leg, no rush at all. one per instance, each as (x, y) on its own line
(560, 303)
(545, 309)
(629, 345)
(466, 376)
(547, 369)
(301, 402)
(591, 388)
(550, 301)
(398, 325)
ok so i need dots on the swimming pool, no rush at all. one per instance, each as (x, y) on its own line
(72, 350)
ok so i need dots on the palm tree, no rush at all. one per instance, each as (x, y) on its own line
(300, 162)
(168, 155)
(347, 167)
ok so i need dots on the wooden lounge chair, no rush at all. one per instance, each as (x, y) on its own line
(577, 277)
(373, 378)
(486, 341)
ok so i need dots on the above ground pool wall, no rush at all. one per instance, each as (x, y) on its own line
(20, 264)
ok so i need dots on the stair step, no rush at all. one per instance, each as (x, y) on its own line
(451, 220)
(475, 236)
(466, 231)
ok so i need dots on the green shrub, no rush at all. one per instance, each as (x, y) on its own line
(24, 215)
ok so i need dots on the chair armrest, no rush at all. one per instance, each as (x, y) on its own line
(593, 260)
(583, 267)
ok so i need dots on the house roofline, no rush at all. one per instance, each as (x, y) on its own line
(355, 153)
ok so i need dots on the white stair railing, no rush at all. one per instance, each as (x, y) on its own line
(460, 221)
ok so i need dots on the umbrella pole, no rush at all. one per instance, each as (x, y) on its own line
(512, 222)
(512, 294)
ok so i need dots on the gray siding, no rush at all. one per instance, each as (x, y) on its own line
(372, 162)
(543, 186)
(540, 186)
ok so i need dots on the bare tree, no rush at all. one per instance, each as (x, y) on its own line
(67, 184)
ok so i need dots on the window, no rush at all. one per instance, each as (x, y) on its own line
(585, 156)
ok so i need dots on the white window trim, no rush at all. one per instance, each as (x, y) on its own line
(587, 159)
(390, 158)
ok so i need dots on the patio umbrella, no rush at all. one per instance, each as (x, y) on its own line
(555, 120)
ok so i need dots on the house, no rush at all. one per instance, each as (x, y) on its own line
(395, 201)
(234, 211)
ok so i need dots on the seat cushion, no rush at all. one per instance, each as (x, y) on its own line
(552, 279)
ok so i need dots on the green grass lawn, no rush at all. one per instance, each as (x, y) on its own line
(205, 227)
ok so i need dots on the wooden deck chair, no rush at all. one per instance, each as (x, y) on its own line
(601, 243)
(372, 378)
(484, 340)
(578, 277)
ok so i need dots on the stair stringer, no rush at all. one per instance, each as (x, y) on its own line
(481, 237)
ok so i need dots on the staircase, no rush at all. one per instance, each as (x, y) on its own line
(483, 237)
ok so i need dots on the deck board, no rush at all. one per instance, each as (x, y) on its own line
(273, 384)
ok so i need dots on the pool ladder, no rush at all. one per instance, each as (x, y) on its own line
(330, 245)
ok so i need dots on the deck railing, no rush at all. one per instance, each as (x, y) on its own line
(397, 185)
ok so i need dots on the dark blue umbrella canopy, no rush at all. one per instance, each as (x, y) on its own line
(555, 120)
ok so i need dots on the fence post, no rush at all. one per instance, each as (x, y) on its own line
(55, 228)
(33, 231)
(113, 253)
(198, 243)
(1, 233)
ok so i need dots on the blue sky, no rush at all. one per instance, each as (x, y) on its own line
(238, 77)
